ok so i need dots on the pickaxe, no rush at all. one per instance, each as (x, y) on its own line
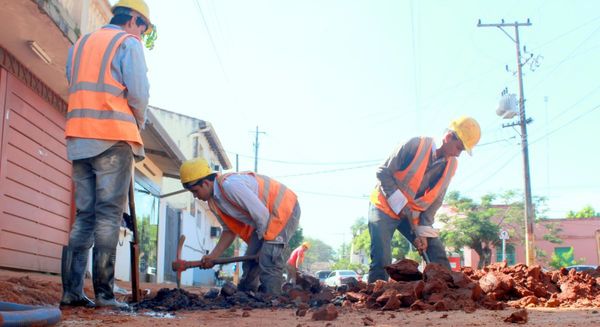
(413, 230)
(181, 265)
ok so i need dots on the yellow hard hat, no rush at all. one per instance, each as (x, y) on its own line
(195, 169)
(468, 131)
(306, 245)
(138, 5)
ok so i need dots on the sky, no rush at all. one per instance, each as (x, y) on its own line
(336, 85)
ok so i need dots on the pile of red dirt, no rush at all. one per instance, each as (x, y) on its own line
(435, 289)
(25, 290)
(493, 287)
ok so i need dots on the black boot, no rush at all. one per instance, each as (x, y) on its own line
(73, 266)
(103, 272)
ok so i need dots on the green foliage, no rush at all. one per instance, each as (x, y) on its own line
(230, 251)
(319, 252)
(414, 255)
(473, 223)
(344, 263)
(362, 241)
(553, 231)
(587, 212)
(149, 39)
(147, 239)
(295, 242)
(471, 227)
(343, 251)
(564, 259)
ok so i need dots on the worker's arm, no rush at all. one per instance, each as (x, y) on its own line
(227, 237)
(135, 79)
(425, 229)
(398, 160)
(246, 198)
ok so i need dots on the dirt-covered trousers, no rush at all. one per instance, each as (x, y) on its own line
(382, 228)
(101, 190)
(271, 261)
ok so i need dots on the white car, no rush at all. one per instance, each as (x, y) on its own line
(336, 277)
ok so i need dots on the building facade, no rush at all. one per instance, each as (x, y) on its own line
(36, 192)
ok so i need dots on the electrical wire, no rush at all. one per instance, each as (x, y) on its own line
(212, 41)
(361, 197)
(565, 34)
(326, 171)
(566, 124)
(566, 58)
(311, 163)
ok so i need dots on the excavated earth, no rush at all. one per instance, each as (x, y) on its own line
(442, 297)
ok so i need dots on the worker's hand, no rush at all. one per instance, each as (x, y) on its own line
(207, 262)
(421, 244)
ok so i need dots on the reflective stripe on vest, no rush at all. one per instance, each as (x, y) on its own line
(412, 177)
(279, 200)
(98, 106)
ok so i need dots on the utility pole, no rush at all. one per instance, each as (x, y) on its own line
(256, 149)
(523, 121)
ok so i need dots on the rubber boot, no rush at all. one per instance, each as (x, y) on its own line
(271, 286)
(73, 265)
(103, 272)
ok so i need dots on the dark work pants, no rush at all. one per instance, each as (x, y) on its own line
(381, 229)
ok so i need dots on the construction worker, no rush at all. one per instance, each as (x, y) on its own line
(260, 210)
(295, 260)
(108, 96)
(411, 186)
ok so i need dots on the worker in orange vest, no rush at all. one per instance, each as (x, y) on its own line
(296, 259)
(108, 96)
(258, 209)
(411, 185)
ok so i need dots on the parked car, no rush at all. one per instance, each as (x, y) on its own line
(365, 278)
(581, 267)
(322, 275)
(340, 277)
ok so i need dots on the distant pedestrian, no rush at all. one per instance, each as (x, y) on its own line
(295, 261)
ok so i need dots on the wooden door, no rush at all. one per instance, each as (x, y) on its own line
(35, 180)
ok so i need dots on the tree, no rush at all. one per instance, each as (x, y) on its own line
(319, 252)
(471, 227)
(344, 263)
(564, 259)
(362, 241)
(587, 212)
(295, 242)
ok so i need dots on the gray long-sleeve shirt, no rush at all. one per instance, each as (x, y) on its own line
(128, 67)
(242, 189)
(399, 160)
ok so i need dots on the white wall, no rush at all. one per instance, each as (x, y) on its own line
(123, 262)
(197, 243)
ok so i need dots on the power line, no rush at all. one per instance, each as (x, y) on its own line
(361, 197)
(325, 171)
(567, 123)
(562, 112)
(212, 41)
(566, 58)
(312, 163)
(566, 33)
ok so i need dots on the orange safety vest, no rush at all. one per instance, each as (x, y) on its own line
(98, 108)
(279, 200)
(410, 179)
